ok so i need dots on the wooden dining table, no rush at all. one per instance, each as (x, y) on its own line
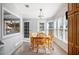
(36, 40)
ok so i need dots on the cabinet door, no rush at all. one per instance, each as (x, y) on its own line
(70, 49)
(70, 7)
(77, 6)
(70, 28)
(73, 29)
(70, 34)
(77, 40)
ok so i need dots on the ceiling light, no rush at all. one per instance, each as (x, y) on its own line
(41, 14)
(27, 6)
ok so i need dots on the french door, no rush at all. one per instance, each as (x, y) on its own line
(26, 29)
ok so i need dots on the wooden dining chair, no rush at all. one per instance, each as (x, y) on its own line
(41, 34)
(31, 41)
(51, 35)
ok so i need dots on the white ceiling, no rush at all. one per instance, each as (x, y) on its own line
(49, 9)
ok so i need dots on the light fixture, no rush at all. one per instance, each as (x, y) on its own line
(41, 14)
(27, 6)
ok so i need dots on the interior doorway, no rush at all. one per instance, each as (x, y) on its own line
(26, 29)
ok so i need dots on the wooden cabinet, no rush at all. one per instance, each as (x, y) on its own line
(70, 34)
(77, 18)
(73, 29)
(77, 6)
(77, 41)
(70, 50)
(70, 7)
(70, 22)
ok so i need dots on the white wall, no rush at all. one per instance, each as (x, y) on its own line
(12, 41)
(32, 24)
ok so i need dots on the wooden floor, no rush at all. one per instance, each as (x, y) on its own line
(25, 50)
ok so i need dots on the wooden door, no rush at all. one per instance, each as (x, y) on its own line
(73, 29)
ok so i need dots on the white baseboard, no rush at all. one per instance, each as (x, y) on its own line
(60, 47)
(26, 40)
(19, 43)
(17, 46)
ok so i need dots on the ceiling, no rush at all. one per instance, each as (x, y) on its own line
(33, 11)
